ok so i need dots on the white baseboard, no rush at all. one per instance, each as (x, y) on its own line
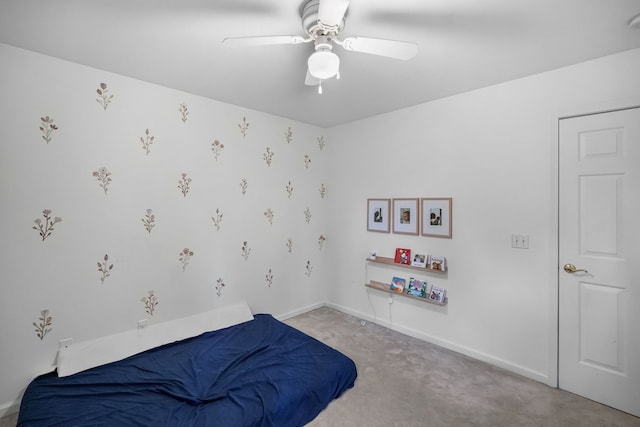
(9, 408)
(296, 312)
(501, 363)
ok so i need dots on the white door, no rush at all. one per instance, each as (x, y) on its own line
(599, 231)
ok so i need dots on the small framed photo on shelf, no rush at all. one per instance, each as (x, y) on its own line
(437, 294)
(403, 256)
(406, 216)
(378, 215)
(436, 217)
(419, 260)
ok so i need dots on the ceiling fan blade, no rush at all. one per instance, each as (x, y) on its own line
(390, 48)
(310, 80)
(331, 12)
(262, 41)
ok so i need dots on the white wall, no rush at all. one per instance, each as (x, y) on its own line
(60, 274)
(493, 151)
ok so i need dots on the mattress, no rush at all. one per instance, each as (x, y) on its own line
(258, 373)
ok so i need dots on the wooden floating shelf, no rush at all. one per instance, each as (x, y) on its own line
(385, 287)
(390, 261)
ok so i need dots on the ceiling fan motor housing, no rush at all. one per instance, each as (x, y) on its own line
(310, 23)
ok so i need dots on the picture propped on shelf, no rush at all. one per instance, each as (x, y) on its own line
(417, 288)
(398, 284)
(403, 256)
(437, 294)
(420, 260)
(438, 263)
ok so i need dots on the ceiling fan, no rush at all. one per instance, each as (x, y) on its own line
(322, 21)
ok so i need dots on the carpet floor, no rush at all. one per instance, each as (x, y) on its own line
(404, 381)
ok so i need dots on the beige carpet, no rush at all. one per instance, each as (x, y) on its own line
(403, 381)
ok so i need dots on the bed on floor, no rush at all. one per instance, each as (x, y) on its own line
(260, 372)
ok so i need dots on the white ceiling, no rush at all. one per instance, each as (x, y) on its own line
(463, 45)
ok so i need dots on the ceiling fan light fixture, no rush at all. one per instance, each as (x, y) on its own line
(323, 64)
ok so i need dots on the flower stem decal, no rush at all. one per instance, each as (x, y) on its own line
(307, 215)
(269, 277)
(183, 184)
(289, 245)
(149, 220)
(288, 135)
(307, 161)
(46, 228)
(104, 268)
(104, 99)
(47, 127)
(269, 214)
(184, 111)
(147, 140)
(323, 190)
(308, 268)
(150, 302)
(217, 219)
(185, 256)
(104, 178)
(289, 189)
(245, 250)
(321, 241)
(321, 142)
(216, 147)
(219, 285)
(244, 185)
(268, 156)
(243, 127)
(43, 328)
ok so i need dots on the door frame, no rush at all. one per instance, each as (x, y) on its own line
(554, 262)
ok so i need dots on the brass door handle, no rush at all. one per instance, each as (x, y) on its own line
(570, 268)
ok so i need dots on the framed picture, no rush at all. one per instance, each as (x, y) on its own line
(405, 216)
(436, 217)
(378, 214)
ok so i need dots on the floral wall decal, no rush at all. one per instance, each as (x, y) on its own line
(268, 156)
(323, 190)
(150, 302)
(307, 215)
(185, 256)
(288, 135)
(43, 328)
(103, 99)
(104, 178)
(219, 285)
(289, 245)
(289, 189)
(216, 147)
(308, 268)
(321, 241)
(321, 142)
(184, 111)
(184, 184)
(147, 139)
(149, 220)
(217, 220)
(269, 277)
(269, 214)
(307, 161)
(47, 127)
(104, 268)
(244, 126)
(244, 184)
(45, 229)
(246, 250)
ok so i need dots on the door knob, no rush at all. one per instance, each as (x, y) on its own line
(570, 268)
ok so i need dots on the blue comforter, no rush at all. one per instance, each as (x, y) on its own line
(258, 373)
